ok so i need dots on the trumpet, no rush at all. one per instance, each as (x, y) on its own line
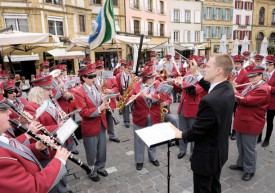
(86, 167)
(30, 119)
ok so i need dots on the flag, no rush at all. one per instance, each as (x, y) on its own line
(103, 28)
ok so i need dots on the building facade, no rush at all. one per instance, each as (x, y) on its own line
(263, 23)
(66, 19)
(217, 21)
(242, 19)
(186, 23)
(149, 17)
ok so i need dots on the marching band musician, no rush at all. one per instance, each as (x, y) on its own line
(146, 112)
(45, 70)
(152, 61)
(246, 55)
(107, 86)
(20, 168)
(258, 59)
(124, 79)
(249, 120)
(179, 65)
(191, 96)
(119, 67)
(93, 124)
(270, 62)
(239, 77)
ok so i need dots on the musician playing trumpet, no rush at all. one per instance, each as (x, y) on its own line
(146, 112)
(249, 120)
(93, 124)
(107, 86)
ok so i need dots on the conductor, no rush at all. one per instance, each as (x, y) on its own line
(212, 125)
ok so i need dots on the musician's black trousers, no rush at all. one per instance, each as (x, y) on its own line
(207, 184)
(269, 124)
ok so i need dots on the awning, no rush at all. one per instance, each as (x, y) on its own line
(176, 46)
(20, 58)
(61, 54)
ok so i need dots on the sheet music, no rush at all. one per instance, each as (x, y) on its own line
(157, 134)
(41, 109)
(107, 74)
(67, 129)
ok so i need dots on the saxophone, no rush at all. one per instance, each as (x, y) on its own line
(122, 102)
(163, 112)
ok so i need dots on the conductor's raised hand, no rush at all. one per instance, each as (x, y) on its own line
(193, 67)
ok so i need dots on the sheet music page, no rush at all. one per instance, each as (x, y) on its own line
(64, 132)
(157, 133)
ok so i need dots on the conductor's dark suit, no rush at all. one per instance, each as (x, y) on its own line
(210, 133)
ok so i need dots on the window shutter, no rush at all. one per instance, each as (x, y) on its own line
(164, 7)
(165, 29)
(141, 27)
(213, 32)
(234, 35)
(230, 32)
(155, 29)
(245, 5)
(214, 13)
(192, 16)
(197, 16)
(242, 5)
(249, 35)
(201, 36)
(154, 6)
(192, 36)
(158, 8)
(172, 14)
(236, 4)
(185, 36)
(223, 13)
(223, 31)
(204, 12)
(146, 5)
(131, 3)
(132, 25)
(182, 15)
(231, 14)
(180, 36)
(146, 28)
(141, 4)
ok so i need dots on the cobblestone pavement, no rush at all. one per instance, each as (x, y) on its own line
(124, 178)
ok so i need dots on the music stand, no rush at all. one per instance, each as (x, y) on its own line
(157, 135)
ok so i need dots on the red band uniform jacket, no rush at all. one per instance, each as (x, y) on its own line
(141, 110)
(250, 113)
(271, 84)
(91, 118)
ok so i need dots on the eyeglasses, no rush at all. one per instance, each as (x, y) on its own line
(91, 76)
(11, 92)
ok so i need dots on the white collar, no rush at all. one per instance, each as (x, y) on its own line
(212, 86)
(4, 139)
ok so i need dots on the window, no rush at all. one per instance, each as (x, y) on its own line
(56, 2)
(238, 5)
(82, 26)
(248, 6)
(115, 2)
(176, 15)
(136, 4)
(55, 27)
(19, 22)
(161, 29)
(247, 20)
(227, 14)
(176, 36)
(218, 14)
(95, 2)
(273, 17)
(150, 5)
(238, 18)
(136, 26)
(161, 6)
(216, 48)
(227, 32)
(150, 28)
(187, 16)
(207, 32)
(261, 16)
(218, 32)
(197, 36)
(208, 13)
(187, 36)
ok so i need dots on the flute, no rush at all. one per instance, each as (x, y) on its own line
(86, 167)
(239, 85)
(25, 116)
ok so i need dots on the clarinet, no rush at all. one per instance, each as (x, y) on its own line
(21, 113)
(84, 166)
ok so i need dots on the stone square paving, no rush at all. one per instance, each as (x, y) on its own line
(124, 178)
